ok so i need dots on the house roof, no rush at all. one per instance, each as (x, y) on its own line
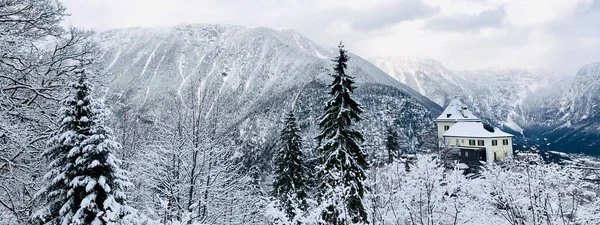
(462, 166)
(473, 129)
(454, 113)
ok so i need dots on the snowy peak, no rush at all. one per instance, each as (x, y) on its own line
(583, 99)
(239, 80)
(424, 75)
(406, 63)
(589, 71)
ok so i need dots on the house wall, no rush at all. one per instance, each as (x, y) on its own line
(440, 128)
(455, 141)
(502, 151)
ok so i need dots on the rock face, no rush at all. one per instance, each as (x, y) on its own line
(242, 80)
(544, 110)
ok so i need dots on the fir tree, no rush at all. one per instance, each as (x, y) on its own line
(85, 180)
(391, 144)
(343, 161)
(289, 186)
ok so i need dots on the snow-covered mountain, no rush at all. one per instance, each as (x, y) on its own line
(533, 104)
(582, 100)
(424, 75)
(580, 112)
(243, 80)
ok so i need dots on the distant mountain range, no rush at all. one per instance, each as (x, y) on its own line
(545, 110)
(243, 80)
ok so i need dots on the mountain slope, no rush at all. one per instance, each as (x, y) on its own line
(583, 98)
(580, 113)
(531, 104)
(424, 75)
(243, 79)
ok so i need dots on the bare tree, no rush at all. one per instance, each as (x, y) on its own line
(536, 193)
(37, 60)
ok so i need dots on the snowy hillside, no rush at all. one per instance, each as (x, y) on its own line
(580, 112)
(529, 103)
(582, 100)
(242, 80)
(424, 75)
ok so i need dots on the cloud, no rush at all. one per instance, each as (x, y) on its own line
(558, 35)
(468, 22)
(390, 14)
(595, 6)
(576, 37)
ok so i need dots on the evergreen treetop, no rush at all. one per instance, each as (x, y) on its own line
(343, 161)
(291, 177)
(391, 144)
(86, 181)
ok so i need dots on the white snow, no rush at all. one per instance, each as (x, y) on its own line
(317, 53)
(298, 43)
(154, 74)
(115, 59)
(510, 123)
(454, 112)
(473, 129)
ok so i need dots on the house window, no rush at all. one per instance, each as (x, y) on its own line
(462, 141)
(494, 142)
(480, 143)
(505, 142)
(471, 142)
(466, 154)
(446, 128)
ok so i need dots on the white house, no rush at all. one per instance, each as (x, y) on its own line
(459, 128)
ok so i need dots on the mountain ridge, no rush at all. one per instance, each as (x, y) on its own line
(242, 79)
(529, 103)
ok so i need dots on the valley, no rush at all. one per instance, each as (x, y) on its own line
(544, 110)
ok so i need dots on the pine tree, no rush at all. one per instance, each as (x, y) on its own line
(391, 144)
(85, 180)
(343, 161)
(289, 186)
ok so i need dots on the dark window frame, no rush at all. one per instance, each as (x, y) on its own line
(446, 127)
(480, 143)
(472, 142)
(494, 142)
(504, 141)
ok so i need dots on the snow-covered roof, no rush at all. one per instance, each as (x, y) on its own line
(473, 129)
(462, 166)
(457, 111)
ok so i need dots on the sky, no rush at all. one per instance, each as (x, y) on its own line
(556, 35)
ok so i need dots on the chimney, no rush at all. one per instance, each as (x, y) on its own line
(464, 111)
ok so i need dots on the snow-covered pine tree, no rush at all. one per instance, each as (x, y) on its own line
(85, 180)
(391, 144)
(289, 186)
(342, 174)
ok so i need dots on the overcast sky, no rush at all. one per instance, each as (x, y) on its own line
(560, 35)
